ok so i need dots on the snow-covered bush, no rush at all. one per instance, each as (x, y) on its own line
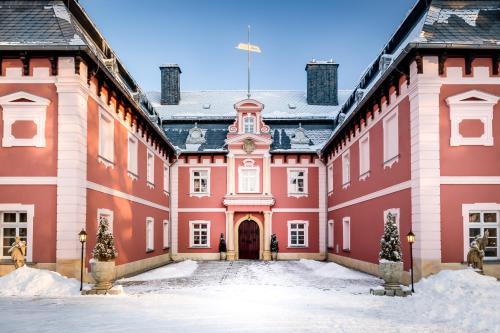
(390, 246)
(274, 243)
(104, 249)
(222, 244)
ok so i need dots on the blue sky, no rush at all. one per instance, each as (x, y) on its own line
(201, 35)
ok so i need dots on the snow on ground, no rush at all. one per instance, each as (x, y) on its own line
(27, 281)
(250, 296)
(333, 270)
(177, 270)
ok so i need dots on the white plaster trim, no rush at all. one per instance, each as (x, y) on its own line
(126, 196)
(150, 238)
(257, 179)
(306, 182)
(165, 234)
(150, 168)
(28, 180)
(249, 202)
(132, 155)
(106, 212)
(201, 210)
(192, 193)
(174, 215)
(191, 235)
(388, 190)
(391, 138)
(330, 180)
(393, 211)
(470, 180)
(331, 234)
(105, 120)
(296, 210)
(466, 208)
(346, 169)
(364, 172)
(30, 211)
(322, 198)
(306, 233)
(346, 233)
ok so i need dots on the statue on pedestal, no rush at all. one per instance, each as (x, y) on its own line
(476, 252)
(17, 252)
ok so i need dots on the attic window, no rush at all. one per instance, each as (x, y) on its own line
(292, 106)
(206, 106)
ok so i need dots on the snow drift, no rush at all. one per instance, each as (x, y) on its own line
(170, 271)
(333, 270)
(26, 281)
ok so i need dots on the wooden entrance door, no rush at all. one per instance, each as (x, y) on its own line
(248, 240)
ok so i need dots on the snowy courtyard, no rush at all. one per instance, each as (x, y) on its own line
(249, 296)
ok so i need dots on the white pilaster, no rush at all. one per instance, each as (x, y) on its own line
(425, 164)
(268, 224)
(266, 174)
(174, 210)
(71, 159)
(230, 234)
(230, 174)
(322, 207)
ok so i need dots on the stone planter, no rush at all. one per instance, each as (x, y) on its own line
(274, 256)
(223, 255)
(391, 272)
(103, 273)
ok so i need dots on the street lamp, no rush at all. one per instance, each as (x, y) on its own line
(83, 238)
(411, 239)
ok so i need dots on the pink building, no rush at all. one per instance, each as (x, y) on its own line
(173, 170)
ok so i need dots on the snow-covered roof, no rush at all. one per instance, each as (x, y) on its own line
(278, 104)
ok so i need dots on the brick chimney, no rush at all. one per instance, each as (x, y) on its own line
(322, 82)
(170, 84)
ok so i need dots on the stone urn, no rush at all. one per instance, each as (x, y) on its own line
(223, 255)
(103, 273)
(391, 272)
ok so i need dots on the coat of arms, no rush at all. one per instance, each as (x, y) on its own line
(248, 146)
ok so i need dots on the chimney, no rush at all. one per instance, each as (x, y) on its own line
(322, 82)
(170, 85)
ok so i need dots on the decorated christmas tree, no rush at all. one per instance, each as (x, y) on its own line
(104, 249)
(390, 246)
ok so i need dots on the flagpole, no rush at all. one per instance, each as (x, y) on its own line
(248, 92)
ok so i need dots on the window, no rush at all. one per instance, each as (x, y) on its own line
(481, 221)
(297, 181)
(13, 224)
(166, 240)
(150, 168)
(346, 169)
(132, 155)
(298, 233)
(150, 240)
(248, 180)
(346, 233)
(395, 213)
(249, 124)
(330, 178)
(364, 156)
(165, 178)
(471, 117)
(330, 234)
(106, 137)
(200, 181)
(391, 139)
(199, 232)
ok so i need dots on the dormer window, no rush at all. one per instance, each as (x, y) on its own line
(249, 124)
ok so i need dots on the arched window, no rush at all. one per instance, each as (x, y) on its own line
(249, 124)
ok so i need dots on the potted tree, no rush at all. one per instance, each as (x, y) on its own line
(274, 247)
(390, 257)
(103, 257)
(222, 247)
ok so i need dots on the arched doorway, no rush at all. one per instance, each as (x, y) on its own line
(249, 240)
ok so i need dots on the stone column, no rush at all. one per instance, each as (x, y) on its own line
(230, 235)
(267, 234)
(266, 174)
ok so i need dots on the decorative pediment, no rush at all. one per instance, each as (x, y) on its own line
(249, 104)
(23, 98)
(473, 96)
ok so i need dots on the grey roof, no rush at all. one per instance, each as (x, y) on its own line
(215, 133)
(278, 104)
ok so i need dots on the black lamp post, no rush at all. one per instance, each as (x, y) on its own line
(83, 238)
(411, 239)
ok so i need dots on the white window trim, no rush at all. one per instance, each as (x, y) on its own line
(461, 109)
(192, 193)
(254, 121)
(106, 212)
(150, 170)
(346, 173)
(466, 208)
(330, 183)
(346, 234)
(191, 238)
(108, 161)
(331, 234)
(393, 211)
(257, 178)
(364, 173)
(23, 111)
(132, 160)
(166, 235)
(150, 239)
(30, 211)
(166, 184)
(306, 182)
(390, 160)
(306, 233)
